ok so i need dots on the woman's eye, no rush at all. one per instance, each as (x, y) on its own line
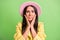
(27, 11)
(33, 11)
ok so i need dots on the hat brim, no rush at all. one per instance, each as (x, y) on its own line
(30, 3)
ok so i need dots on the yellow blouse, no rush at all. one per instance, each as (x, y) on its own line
(40, 35)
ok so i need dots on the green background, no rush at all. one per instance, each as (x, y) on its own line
(9, 18)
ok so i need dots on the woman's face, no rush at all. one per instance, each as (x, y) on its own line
(30, 13)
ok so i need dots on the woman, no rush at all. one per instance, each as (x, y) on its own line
(30, 28)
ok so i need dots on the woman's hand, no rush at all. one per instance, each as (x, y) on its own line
(33, 32)
(30, 26)
(28, 23)
(27, 20)
(33, 21)
(25, 35)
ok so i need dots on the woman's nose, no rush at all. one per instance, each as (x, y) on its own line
(30, 13)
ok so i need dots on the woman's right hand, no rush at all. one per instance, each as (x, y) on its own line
(27, 20)
(27, 29)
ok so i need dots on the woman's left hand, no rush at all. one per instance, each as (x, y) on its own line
(32, 23)
(33, 32)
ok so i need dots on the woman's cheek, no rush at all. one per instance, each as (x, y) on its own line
(33, 15)
(27, 14)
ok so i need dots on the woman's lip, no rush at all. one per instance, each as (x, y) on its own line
(29, 17)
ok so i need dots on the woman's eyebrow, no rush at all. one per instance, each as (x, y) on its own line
(27, 10)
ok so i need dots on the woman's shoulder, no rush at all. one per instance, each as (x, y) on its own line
(40, 23)
(19, 25)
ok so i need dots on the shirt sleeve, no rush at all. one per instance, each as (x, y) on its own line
(18, 34)
(41, 34)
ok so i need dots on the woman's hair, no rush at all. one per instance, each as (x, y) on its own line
(24, 22)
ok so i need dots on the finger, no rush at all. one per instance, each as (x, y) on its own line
(26, 19)
(34, 17)
(33, 20)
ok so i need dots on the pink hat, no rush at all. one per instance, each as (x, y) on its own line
(30, 3)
